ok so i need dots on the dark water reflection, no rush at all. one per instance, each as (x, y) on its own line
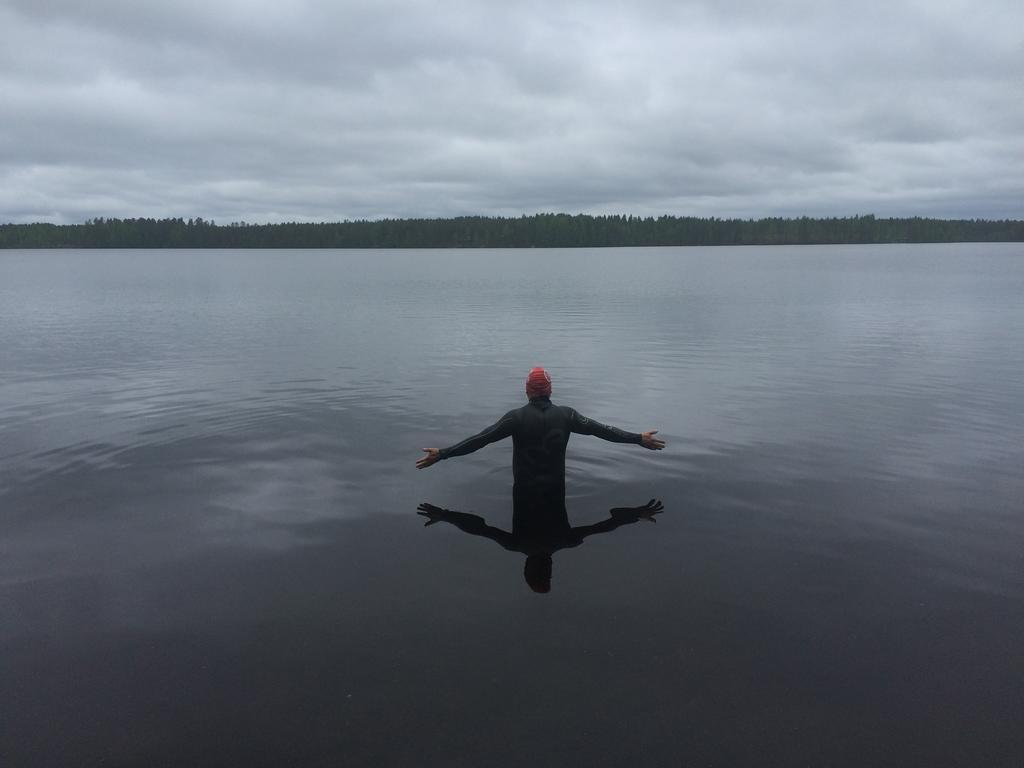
(210, 552)
(540, 528)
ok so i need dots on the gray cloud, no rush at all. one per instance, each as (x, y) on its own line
(252, 110)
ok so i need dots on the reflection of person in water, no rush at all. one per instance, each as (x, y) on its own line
(540, 527)
(540, 432)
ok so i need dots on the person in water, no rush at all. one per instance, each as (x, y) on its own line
(540, 432)
(540, 527)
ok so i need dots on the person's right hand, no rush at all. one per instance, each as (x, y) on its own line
(644, 512)
(650, 442)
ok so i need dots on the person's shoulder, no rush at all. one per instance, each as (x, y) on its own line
(568, 411)
(576, 417)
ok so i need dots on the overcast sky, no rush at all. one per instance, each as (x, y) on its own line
(328, 110)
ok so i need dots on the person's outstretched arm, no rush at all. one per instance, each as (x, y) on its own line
(622, 516)
(581, 425)
(467, 523)
(497, 431)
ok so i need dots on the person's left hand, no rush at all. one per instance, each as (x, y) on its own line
(433, 456)
(433, 513)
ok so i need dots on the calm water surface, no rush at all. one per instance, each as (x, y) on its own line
(209, 552)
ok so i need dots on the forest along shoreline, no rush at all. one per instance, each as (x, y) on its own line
(545, 230)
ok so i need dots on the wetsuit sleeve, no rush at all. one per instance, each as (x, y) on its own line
(477, 526)
(581, 425)
(497, 431)
(603, 527)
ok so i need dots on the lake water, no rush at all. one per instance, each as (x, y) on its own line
(210, 553)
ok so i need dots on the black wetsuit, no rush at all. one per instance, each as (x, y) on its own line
(540, 431)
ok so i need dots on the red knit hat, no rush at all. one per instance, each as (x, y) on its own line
(538, 384)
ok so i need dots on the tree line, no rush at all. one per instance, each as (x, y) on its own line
(549, 230)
